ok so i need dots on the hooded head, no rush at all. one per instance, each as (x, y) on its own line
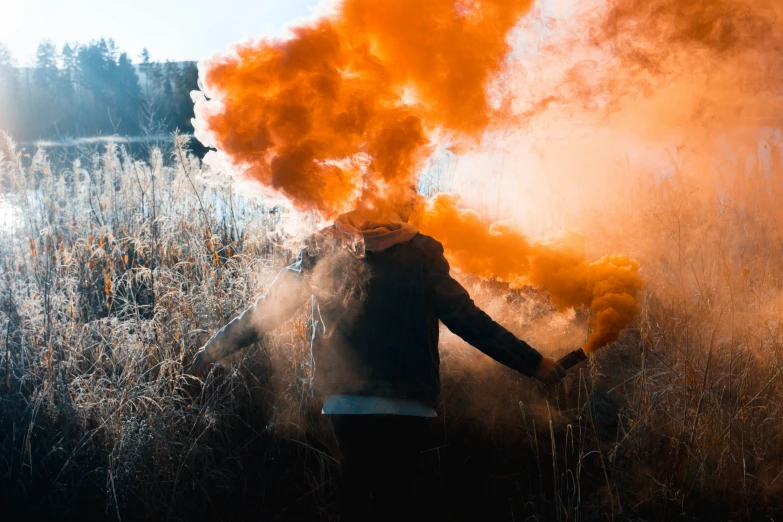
(377, 225)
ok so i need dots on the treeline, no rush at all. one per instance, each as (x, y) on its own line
(85, 90)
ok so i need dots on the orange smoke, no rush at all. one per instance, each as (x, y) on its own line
(342, 109)
(609, 287)
(342, 113)
(716, 62)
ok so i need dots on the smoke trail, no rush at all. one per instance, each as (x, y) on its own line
(622, 94)
(609, 54)
(609, 286)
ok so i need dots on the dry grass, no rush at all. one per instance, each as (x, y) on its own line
(118, 270)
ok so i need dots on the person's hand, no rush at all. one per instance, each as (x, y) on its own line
(549, 371)
(202, 363)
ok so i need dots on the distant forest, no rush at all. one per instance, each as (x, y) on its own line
(86, 90)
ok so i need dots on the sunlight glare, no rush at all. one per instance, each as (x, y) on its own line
(11, 16)
(10, 215)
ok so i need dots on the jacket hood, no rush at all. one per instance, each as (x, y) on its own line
(373, 231)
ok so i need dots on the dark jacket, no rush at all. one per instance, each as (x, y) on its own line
(375, 319)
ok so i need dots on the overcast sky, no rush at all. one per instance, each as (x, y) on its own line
(171, 29)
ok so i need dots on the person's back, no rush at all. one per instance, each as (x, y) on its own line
(378, 332)
(379, 290)
(378, 320)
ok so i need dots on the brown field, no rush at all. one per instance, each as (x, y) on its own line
(116, 271)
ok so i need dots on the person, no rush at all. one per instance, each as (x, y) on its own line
(378, 289)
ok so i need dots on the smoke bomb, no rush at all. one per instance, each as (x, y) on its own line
(570, 360)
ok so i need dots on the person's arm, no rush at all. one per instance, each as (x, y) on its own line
(459, 313)
(287, 293)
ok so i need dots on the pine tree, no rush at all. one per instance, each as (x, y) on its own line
(48, 110)
(127, 96)
(95, 71)
(145, 67)
(9, 93)
(68, 75)
(186, 81)
(46, 71)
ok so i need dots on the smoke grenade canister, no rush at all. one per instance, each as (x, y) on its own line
(572, 359)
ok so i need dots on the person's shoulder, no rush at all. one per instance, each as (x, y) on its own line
(429, 244)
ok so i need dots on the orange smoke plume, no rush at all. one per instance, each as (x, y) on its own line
(342, 109)
(342, 113)
(716, 62)
(609, 287)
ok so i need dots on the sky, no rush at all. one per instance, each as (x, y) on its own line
(171, 29)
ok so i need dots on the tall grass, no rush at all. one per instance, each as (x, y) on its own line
(117, 270)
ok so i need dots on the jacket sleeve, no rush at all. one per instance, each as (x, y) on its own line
(287, 293)
(459, 313)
